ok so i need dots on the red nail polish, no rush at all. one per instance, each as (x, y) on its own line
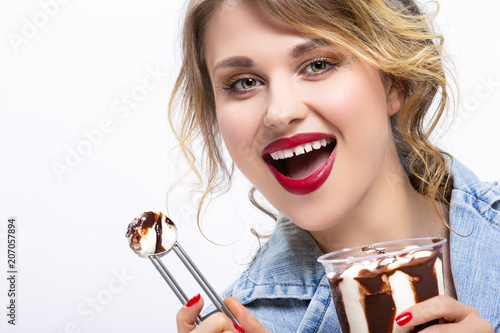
(193, 300)
(238, 328)
(404, 318)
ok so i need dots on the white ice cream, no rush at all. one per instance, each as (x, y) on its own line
(400, 285)
(169, 235)
(148, 241)
(168, 238)
(143, 239)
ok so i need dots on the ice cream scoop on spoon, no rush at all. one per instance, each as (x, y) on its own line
(152, 235)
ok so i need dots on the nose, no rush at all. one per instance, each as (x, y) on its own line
(284, 107)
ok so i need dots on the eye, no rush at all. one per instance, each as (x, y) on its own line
(241, 85)
(320, 65)
(246, 83)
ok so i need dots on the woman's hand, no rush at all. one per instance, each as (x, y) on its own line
(459, 317)
(218, 322)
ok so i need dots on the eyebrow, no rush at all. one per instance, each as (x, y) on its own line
(234, 62)
(308, 46)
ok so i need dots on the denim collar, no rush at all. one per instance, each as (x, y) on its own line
(287, 266)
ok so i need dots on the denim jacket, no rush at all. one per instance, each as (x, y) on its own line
(286, 289)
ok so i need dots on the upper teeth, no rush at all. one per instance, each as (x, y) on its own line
(302, 149)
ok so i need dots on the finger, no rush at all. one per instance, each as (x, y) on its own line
(247, 321)
(437, 307)
(217, 323)
(481, 326)
(186, 316)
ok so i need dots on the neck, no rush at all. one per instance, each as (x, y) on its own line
(392, 209)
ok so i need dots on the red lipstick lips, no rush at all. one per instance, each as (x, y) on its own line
(309, 183)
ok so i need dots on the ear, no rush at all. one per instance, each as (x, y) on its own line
(395, 97)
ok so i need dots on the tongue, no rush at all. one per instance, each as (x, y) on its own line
(302, 166)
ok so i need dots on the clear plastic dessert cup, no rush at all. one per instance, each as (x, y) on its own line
(371, 284)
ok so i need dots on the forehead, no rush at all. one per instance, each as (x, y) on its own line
(242, 28)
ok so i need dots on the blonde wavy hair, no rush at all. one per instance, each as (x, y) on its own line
(394, 36)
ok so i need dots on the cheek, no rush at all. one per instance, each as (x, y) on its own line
(356, 104)
(237, 128)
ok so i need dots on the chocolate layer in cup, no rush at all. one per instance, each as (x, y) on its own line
(371, 284)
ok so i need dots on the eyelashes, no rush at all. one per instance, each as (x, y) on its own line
(321, 65)
(237, 85)
(242, 84)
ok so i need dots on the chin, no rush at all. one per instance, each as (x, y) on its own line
(312, 221)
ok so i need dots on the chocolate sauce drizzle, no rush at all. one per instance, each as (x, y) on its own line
(140, 225)
(371, 248)
(375, 290)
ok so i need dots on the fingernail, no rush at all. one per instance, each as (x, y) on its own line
(238, 328)
(193, 300)
(403, 318)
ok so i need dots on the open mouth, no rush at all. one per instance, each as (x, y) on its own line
(302, 161)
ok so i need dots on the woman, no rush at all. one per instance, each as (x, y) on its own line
(321, 105)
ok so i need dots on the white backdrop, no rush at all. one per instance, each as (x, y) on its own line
(85, 147)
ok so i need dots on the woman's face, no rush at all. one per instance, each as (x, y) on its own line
(305, 121)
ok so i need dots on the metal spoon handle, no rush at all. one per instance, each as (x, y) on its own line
(162, 269)
(214, 297)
